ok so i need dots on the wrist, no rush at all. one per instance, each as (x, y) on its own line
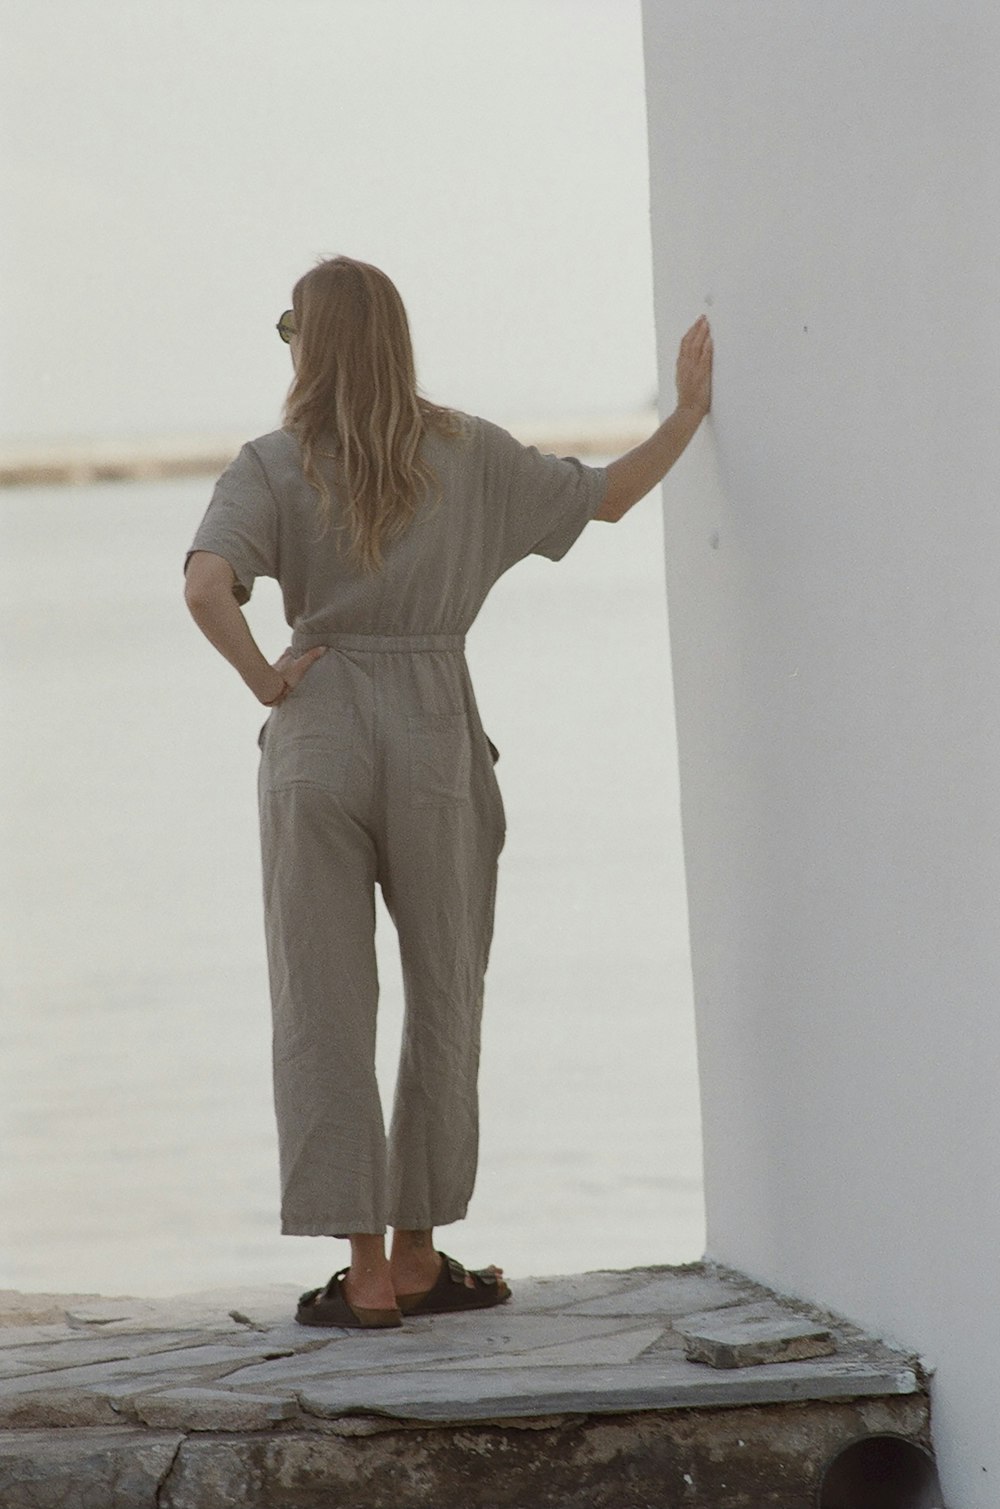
(689, 414)
(278, 691)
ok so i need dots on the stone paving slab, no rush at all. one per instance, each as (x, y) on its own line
(65, 1408)
(483, 1394)
(473, 1340)
(211, 1409)
(78, 1351)
(25, 1335)
(674, 1293)
(170, 1360)
(205, 1310)
(615, 1349)
(584, 1344)
(562, 1292)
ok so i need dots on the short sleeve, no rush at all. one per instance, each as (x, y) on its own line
(547, 500)
(241, 523)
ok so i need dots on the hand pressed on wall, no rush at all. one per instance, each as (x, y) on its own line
(694, 369)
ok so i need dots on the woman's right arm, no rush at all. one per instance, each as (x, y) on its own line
(636, 473)
(208, 592)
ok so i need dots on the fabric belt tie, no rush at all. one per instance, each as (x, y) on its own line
(379, 644)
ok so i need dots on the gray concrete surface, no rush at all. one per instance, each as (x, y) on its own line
(123, 1402)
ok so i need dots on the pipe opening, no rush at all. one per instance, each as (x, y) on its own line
(881, 1472)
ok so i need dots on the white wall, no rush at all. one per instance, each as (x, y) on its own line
(824, 183)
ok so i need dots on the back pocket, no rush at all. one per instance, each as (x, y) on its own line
(440, 759)
(309, 756)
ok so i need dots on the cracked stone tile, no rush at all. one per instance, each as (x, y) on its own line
(505, 1327)
(498, 1333)
(14, 1369)
(473, 1394)
(182, 1359)
(374, 1355)
(286, 1338)
(55, 1407)
(212, 1409)
(617, 1348)
(205, 1310)
(486, 1394)
(273, 1308)
(83, 1349)
(106, 1403)
(669, 1295)
(469, 1337)
(561, 1291)
(32, 1335)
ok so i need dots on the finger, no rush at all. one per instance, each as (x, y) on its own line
(295, 668)
(307, 659)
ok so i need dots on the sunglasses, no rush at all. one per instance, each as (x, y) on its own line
(286, 326)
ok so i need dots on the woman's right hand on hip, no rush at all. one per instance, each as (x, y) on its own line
(291, 668)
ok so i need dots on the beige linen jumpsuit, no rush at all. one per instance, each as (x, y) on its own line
(376, 770)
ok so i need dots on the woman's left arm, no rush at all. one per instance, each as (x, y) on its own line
(208, 592)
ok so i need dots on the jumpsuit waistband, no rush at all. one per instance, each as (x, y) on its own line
(379, 644)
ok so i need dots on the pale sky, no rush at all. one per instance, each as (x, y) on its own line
(170, 169)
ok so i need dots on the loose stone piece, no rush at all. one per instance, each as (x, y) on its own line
(750, 1335)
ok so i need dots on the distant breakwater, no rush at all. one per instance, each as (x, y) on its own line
(49, 463)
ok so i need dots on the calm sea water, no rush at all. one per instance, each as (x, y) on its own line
(138, 1150)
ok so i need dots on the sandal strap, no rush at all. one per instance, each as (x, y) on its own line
(327, 1290)
(484, 1277)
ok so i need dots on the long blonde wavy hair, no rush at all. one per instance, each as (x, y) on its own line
(354, 400)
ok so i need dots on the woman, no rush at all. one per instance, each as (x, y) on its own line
(386, 520)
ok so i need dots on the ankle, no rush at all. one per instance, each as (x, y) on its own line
(368, 1259)
(412, 1248)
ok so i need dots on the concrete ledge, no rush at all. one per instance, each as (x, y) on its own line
(576, 1392)
(754, 1458)
(85, 1469)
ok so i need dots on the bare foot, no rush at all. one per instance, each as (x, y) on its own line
(415, 1264)
(416, 1272)
(369, 1291)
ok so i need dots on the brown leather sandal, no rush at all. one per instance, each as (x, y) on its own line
(329, 1307)
(450, 1291)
